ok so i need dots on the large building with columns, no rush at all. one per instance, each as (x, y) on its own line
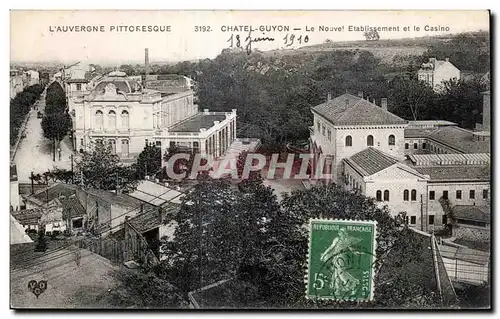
(119, 112)
(412, 167)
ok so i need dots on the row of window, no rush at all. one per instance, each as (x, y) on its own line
(99, 121)
(413, 220)
(369, 140)
(458, 194)
(379, 195)
(406, 195)
(415, 146)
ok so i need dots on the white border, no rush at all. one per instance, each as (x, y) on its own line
(374, 247)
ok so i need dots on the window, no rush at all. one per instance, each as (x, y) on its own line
(432, 195)
(415, 146)
(172, 144)
(125, 119)
(459, 194)
(413, 194)
(485, 194)
(431, 219)
(424, 146)
(413, 220)
(386, 196)
(196, 147)
(78, 86)
(112, 146)
(319, 127)
(392, 140)
(112, 119)
(369, 140)
(406, 195)
(81, 142)
(323, 131)
(379, 196)
(407, 146)
(146, 142)
(329, 135)
(348, 140)
(98, 119)
(472, 194)
(444, 219)
(445, 194)
(158, 144)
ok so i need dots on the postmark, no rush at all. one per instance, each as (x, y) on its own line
(340, 259)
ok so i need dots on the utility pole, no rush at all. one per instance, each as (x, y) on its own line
(32, 183)
(72, 172)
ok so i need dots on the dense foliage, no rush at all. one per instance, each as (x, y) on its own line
(224, 233)
(20, 106)
(56, 121)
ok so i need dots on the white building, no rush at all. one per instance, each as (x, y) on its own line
(118, 111)
(33, 77)
(435, 72)
(415, 168)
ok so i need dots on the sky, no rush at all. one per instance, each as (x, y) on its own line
(36, 36)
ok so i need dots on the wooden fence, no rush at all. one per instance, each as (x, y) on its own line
(109, 248)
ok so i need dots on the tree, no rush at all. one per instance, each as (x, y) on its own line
(143, 290)
(371, 35)
(148, 162)
(55, 126)
(55, 99)
(411, 99)
(205, 248)
(102, 169)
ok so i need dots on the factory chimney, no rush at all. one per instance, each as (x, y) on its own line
(146, 66)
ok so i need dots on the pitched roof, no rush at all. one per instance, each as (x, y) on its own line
(123, 200)
(472, 212)
(155, 194)
(460, 139)
(348, 109)
(455, 173)
(28, 216)
(153, 218)
(54, 191)
(465, 254)
(72, 207)
(370, 161)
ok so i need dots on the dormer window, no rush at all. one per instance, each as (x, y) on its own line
(392, 140)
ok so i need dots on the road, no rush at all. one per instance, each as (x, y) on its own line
(35, 151)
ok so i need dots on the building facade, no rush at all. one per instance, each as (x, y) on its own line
(435, 72)
(420, 169)
(118, 111)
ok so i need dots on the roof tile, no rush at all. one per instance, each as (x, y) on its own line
(348, 109)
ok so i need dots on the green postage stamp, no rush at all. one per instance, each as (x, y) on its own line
(341, 259)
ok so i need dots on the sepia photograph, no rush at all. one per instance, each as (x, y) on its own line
(234, 160)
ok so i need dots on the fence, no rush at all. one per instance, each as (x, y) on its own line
(109, 248)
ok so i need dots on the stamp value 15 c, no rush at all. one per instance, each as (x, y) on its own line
(341, 259)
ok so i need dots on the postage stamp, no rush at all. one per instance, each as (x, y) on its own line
(340, 259)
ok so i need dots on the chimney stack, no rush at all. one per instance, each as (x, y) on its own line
(360, 94)
(328, 97)
(447, 59)
(146, 66)
(374, 101)
(383, 103)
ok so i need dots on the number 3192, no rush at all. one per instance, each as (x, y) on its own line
(202, 28)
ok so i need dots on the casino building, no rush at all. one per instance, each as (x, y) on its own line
(118, 111)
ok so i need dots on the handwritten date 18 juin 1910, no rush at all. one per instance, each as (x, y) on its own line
(235, 41)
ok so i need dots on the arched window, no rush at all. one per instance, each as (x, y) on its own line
(125, 119)
(348, 140)
(112, 119)
(379, 196)
(392, 140)
(413, 194)
(369, 140)
(406, 195)
(98, 120)
(386, 195)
